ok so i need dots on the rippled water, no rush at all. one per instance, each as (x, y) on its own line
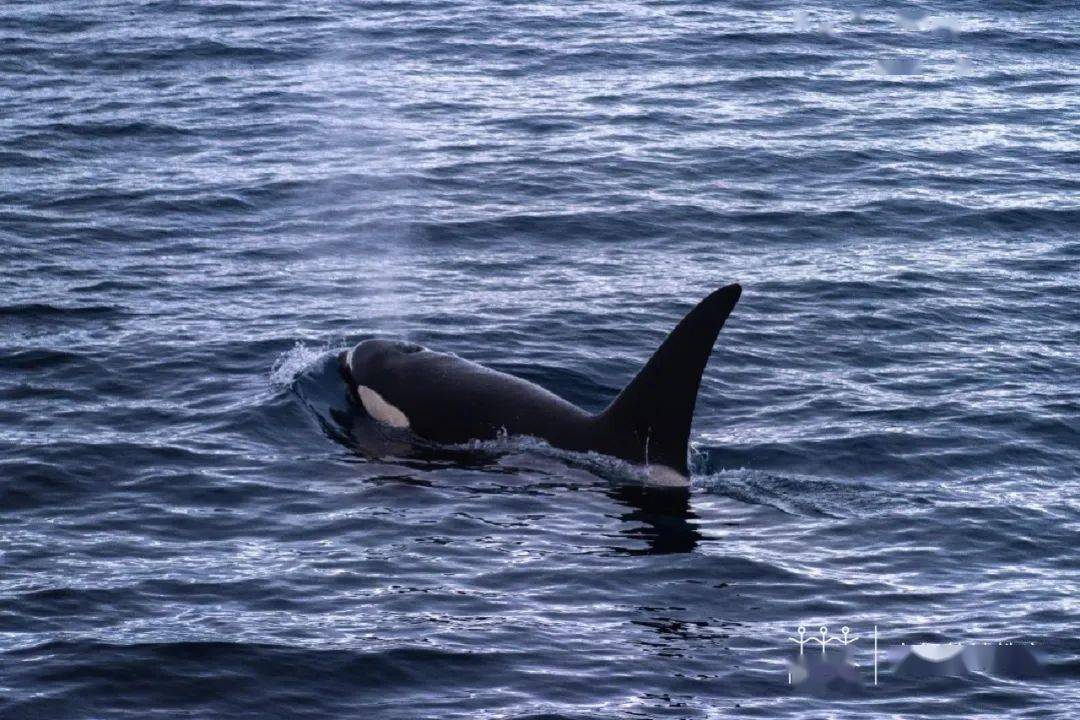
(201, 202)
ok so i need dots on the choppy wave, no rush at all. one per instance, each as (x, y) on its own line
(200, 202)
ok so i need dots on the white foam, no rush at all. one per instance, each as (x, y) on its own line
(605, 466)
(293, 362)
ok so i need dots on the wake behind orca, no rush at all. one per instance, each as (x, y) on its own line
(447, 399)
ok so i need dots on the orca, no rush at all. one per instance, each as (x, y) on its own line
(446, 399)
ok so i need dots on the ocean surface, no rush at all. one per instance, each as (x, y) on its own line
(202, 202)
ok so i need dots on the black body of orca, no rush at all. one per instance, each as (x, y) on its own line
(447, 399)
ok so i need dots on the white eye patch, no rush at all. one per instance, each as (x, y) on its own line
(381, 410)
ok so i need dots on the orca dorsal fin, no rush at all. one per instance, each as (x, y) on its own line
(657, 407)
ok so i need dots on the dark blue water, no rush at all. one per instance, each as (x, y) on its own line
(200, 202)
